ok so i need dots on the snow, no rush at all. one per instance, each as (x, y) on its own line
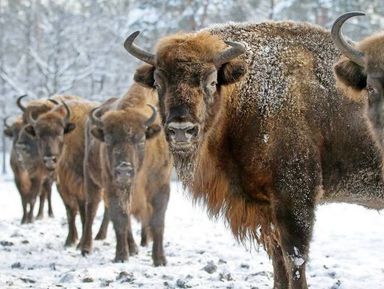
(347, 251)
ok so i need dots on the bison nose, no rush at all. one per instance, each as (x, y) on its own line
(182, 132)
(125, 169)
(50, 162)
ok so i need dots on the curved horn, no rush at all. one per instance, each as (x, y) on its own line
(94, 119)
(19, 104)
(227, 55)
(6, 125)
(54, 101)
(152, 119)
(137, 51)
(346, 49)
(30, 119)
(68, 111)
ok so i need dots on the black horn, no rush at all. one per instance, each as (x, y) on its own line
(54, 101)
(67, 110)
(137, 51)
(236, 49)
(153, 116)
(6, 125)
(346, 49)
(19, 104)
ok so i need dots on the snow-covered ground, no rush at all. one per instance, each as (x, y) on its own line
(347, 251)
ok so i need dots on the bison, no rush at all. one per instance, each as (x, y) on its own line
(127, 157)
(31, 177)
(360, 72)
(59, 134)
(259, 132)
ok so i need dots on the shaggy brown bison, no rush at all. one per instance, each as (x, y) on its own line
(127, 157)
(259, 132)
(59, 134)
(30, 177)
(361, 73)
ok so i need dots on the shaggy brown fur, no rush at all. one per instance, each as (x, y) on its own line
(123, 138)
(31, 177)
(64, 140)
(367, 83)
(272, 141)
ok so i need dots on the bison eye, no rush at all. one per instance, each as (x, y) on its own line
(371, 90)
(157, 85)
(213, 83)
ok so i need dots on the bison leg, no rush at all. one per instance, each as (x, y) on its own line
(133, 250)
(298, 183)
(72, 231)
(24, 204)
(102, 234)
(40, 214)
(48, 189)
(144, 235)
(34, 192)
(159, 204)
(279, 270)
(93, 200)
(120, 219)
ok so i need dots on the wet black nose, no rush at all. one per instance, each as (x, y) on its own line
(125, 170)
(182, 132)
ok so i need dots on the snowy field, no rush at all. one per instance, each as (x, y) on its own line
(347, 251)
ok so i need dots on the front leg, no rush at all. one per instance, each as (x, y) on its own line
(159, 203)
(297, 187)
(120, 220)
(35, 189)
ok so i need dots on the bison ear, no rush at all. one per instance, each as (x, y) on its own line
(98, 133)
(30, 130)
(152, 131)
(69, 127)
(350, 74)
(231, 72)
(8, 132)
(144, 75)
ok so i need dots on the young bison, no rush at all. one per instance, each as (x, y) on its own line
(59, 134)
(361, 73)
(259, 132)
(30, 177)
(127, 157)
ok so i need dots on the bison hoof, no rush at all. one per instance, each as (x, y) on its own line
(86, 252)
(70, 243)
(144, 243)
(40, 217)
(159, 261)
(133, 250)
(51, 215)
(120, 259)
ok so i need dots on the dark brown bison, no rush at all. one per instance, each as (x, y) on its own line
(31, 177)
(127, 157)
(59, 134)
(259, 132)
(360, 72)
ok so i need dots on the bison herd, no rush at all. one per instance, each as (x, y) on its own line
(262, 122)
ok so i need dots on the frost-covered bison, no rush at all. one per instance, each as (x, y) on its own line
(127, 157)
(361, 72)
(259, 132)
